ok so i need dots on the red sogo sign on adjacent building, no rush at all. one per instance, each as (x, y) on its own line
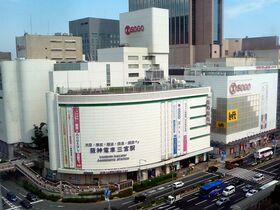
(131, 29)
(236, 88)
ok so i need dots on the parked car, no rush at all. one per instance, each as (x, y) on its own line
(229, 190)
(212, 169)
(31, 197)
(178, 184)
(222, 201)
(140, 198)
(11, 196)
(26, 204)
(250, 193)
(258, 177)
(247, 187)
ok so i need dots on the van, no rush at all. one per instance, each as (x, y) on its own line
(228, 190)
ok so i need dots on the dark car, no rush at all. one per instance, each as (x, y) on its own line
(31, 197)
(236, 182)
(26, 204)
(247, 187)
(212, 169)
(140, 198)
(11, 196)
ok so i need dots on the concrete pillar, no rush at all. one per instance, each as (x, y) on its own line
(196, 159)
(158, 171)
(11, 150)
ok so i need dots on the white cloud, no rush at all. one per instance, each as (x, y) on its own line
(247, 7)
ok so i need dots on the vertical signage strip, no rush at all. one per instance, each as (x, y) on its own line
(70, 137)
(185, 126)
(174, 128)
(77, 134)
(64, 136)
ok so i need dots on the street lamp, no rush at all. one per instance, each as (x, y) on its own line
(140, 176)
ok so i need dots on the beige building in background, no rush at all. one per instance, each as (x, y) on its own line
(59, 47)
(232, 46)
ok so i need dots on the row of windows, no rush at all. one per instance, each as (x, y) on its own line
(135, 57)
(136, 66)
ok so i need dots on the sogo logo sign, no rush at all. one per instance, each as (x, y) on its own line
(131, 29)
(235, 88)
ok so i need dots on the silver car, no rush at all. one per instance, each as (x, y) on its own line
(222, 201)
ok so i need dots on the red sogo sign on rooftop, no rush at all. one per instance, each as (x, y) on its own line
(235, 88)
(131, 29)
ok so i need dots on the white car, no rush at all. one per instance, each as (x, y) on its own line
(178, 184)
(258, 177)
(222, 201)
(250, 193)
(228, 190)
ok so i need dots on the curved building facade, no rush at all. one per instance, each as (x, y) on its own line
(113, 137)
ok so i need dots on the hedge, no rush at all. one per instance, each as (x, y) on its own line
(125, 193)
(39, 193)
(153, 182)
(82, 200)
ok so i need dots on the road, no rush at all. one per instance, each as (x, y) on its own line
(193, 201)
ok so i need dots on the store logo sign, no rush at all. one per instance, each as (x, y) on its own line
(235, 88)
(232, 115)
(132, 29)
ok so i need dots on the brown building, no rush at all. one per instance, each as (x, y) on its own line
(195, 28)
(5, 56)
(260, 43)
(59, 47)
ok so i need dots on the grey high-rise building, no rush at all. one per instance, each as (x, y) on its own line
(96, 34)
(195, 28)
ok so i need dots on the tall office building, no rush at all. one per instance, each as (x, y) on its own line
(195, 28)
(96, 34)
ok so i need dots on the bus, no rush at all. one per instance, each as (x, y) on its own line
(263, 153)
(212, 189)
(236, 162)
(268, 184)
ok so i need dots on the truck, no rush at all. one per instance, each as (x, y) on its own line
(172, 199)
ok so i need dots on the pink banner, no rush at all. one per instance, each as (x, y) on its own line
(78, 160)
(185, 143)
(76, 116)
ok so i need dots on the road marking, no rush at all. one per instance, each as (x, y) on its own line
(200, 202)
(127, 202)
(41, 201)
(206, 207)
(4, 187)
(133, 205)
(214, 200)
(240, 185)
(271, 166)
(192, 199)
(275, 170)
(21, 194)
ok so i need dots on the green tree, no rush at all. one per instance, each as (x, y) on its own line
(40, 138)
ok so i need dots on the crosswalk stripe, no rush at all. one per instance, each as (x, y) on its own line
(248, 175)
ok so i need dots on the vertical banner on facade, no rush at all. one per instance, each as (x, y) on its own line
(77, 134)
(179, 126)
(63, 115)
(185, 127)
(70, 137)
(264, 106)
(174, 128)
(208, 109)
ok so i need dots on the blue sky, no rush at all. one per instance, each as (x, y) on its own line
(242, 17)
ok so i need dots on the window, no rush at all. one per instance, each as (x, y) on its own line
(133, 75)
(133, 66)
(56, 49)
(146, 66)
(133, 58)
(147, 57)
